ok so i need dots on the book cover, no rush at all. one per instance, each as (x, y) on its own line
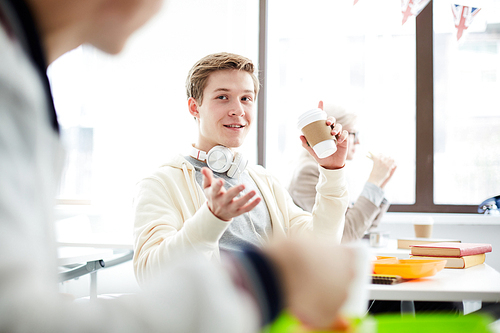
(405, 243)
(458, 262)
(448, 249)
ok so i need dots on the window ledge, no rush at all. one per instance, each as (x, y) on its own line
(441, 218)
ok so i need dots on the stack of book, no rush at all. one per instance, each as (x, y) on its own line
(457, 255)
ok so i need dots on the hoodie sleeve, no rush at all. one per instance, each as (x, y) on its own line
(328, 213)
(167, 223)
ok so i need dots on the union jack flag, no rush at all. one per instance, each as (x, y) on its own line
(463, 16)
(412, 7)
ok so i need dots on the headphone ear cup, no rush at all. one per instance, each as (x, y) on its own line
(238, 166)
(219, 159)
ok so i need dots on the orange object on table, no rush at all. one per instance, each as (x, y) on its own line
(407, 268)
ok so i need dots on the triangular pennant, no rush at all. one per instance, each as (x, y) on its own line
(412, 8)
(463, 16)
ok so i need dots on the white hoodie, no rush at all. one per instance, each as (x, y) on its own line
(171, 214)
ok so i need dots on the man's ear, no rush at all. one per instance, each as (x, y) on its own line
(193, 107)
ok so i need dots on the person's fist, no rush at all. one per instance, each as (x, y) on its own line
(316, 278)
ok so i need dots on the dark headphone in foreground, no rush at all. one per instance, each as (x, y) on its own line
(221, 159)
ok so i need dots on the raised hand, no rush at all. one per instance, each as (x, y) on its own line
(226, 204)
(382, 170)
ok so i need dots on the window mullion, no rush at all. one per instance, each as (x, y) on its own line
(424, 110)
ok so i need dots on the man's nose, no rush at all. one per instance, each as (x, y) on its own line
(237, 109)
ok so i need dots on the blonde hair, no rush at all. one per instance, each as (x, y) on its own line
(199, 73)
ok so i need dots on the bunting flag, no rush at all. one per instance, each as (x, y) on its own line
(463, 16)
(412, 8)
(355, 2)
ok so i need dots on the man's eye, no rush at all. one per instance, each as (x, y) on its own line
(247, 99)
(221, 97)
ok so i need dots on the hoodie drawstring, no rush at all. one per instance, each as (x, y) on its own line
(192, 188)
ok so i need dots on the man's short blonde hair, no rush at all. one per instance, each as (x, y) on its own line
(199, 73)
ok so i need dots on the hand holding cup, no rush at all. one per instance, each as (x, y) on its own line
(323, 138)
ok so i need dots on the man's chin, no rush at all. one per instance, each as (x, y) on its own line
(233, 144)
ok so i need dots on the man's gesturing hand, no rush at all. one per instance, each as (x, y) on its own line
(226, 204)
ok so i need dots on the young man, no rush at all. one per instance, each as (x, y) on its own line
(193, 295)
(184, 205)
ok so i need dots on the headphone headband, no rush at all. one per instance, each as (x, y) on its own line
(221, 159)
(198, 154)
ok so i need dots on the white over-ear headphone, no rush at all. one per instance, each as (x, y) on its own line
(221, 159)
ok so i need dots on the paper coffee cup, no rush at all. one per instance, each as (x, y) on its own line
(313, 125)
(423, 226)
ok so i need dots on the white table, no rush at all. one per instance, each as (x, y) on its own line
(477, 283)
(89, 254)
(69, 254)
(472, 285)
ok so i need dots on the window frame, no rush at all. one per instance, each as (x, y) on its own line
(424, 182)
(424, 177)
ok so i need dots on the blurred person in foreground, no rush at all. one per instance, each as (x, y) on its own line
(366, 212)
(192, 294)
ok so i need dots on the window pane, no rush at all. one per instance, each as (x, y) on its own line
(130, 110)
(466, 107)
(361, 57)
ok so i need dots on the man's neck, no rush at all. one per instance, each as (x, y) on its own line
(26, 31)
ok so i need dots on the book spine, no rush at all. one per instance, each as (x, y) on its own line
(474, 260)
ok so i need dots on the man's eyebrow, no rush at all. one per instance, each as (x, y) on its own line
(248, 91)
(221, 89)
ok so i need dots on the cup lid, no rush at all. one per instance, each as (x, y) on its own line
(310, 116)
